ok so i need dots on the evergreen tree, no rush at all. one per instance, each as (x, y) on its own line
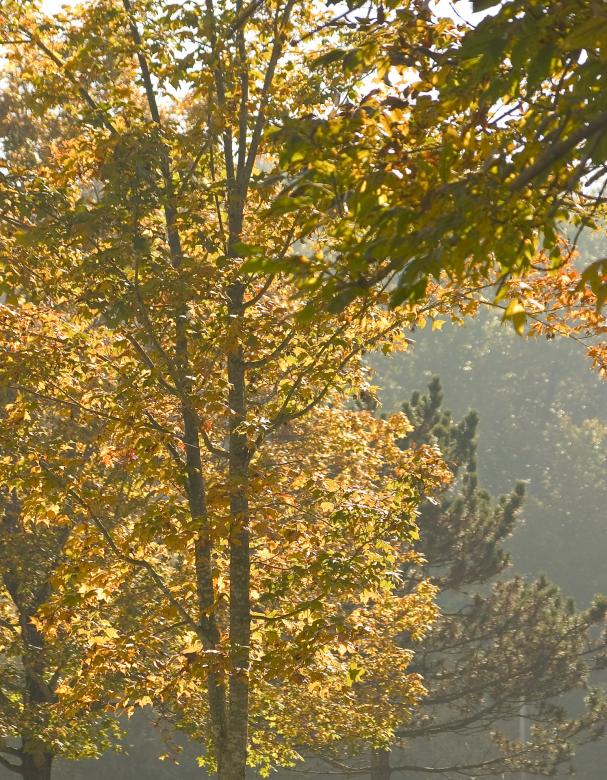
(509, 660)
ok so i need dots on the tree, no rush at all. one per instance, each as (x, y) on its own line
(39, 565)
(470, 151)
(535, 393)
(135, 214)
(32, 727)
(503, 649)
(554, 114)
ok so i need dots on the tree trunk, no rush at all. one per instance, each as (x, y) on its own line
(36, 762)
(380, 764)
(36, 766)
(27, 596)
(240, 564)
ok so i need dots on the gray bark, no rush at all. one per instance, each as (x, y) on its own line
(240, 608)
(380, 764)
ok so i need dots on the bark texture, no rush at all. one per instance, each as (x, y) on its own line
(380, 764)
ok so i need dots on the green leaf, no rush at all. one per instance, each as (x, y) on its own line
(343, 299)
(595, 276)
(355, 674)
(409, 290)
(247, 250)
(286, 204)
(331, 56)
(539, 67)
(483, 5)
(516, 314)
(588, 35)
(488, 41)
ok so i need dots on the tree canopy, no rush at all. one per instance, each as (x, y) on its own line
(464, 151)
(220, 473)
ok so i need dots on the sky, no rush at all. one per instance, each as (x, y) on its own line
(444, 7)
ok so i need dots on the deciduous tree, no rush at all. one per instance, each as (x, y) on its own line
(33, 728)
(135, 210)
(470, 149)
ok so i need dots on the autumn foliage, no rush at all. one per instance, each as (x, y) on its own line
(206, 224)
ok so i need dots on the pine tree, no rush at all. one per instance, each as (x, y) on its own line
(506, 650)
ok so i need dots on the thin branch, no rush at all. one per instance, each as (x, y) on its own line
(69, 401)
(559, 150)
(274, 354)
(215, 196)
(463, 769)
(458, 768)
(152, 335)
(277, 48)
(143, 64)
(170, 213)
(554, 328)
(243, 110)
(194, 164)
(243, 15)
(150, 364)
(284, 416)
(132, 560)
(331, 23)
(125, 557)
(259, 295)
(212, 448)
(228, 147)
(288, 242)
(84, 93)
(172, 450)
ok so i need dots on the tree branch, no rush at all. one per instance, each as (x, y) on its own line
(84, 93)
(274, 354)
(125, 557)
(228, 147)
(557, 151)
(243, 111)
(265, 92)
